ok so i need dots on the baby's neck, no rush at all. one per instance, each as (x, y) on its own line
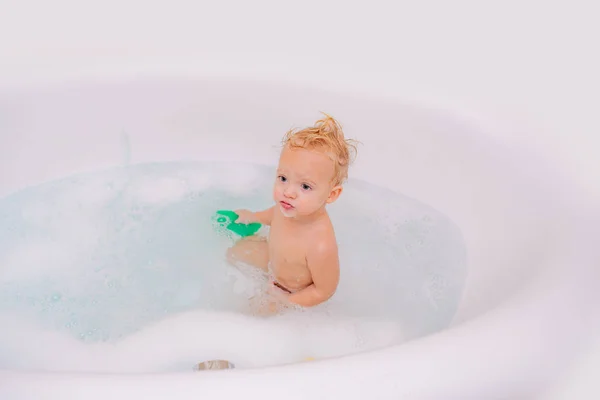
(309, 219)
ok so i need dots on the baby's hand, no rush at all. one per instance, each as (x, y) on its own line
(245, 216)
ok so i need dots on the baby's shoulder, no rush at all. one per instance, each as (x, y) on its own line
(323, 238)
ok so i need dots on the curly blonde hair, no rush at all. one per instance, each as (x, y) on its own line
(326, 135)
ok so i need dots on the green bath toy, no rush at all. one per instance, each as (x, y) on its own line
(226, 219)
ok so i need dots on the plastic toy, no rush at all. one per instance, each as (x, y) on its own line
(226, 219)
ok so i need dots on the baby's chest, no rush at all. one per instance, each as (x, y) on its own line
(287, 249)
(287, 245)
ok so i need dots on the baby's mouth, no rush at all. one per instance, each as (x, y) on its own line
(286, 205)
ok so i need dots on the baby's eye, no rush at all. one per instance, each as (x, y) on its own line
(305, 186)
(282, 178)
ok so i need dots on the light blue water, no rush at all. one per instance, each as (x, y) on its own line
(100, 256)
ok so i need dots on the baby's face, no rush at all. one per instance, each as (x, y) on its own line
(304, 182)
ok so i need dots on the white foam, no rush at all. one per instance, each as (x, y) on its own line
(158, 191)
(89, 193)
(196, 181)
(28, 260)
(239, 179)
(181, 341)
(37, 212)
(60, 242)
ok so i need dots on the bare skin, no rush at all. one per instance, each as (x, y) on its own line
(301, 248)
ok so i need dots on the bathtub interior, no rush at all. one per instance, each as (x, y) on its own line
(492, 194)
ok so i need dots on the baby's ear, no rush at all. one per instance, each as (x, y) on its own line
(334, 194)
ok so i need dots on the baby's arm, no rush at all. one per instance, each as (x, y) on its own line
(264, 217)
(323, 264)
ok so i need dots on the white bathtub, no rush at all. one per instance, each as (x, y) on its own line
(529, 221)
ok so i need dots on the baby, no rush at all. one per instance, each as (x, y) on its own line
(300, 254)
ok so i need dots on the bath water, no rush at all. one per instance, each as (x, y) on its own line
(123, 270)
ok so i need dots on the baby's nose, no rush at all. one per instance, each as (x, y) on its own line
(289, 193)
